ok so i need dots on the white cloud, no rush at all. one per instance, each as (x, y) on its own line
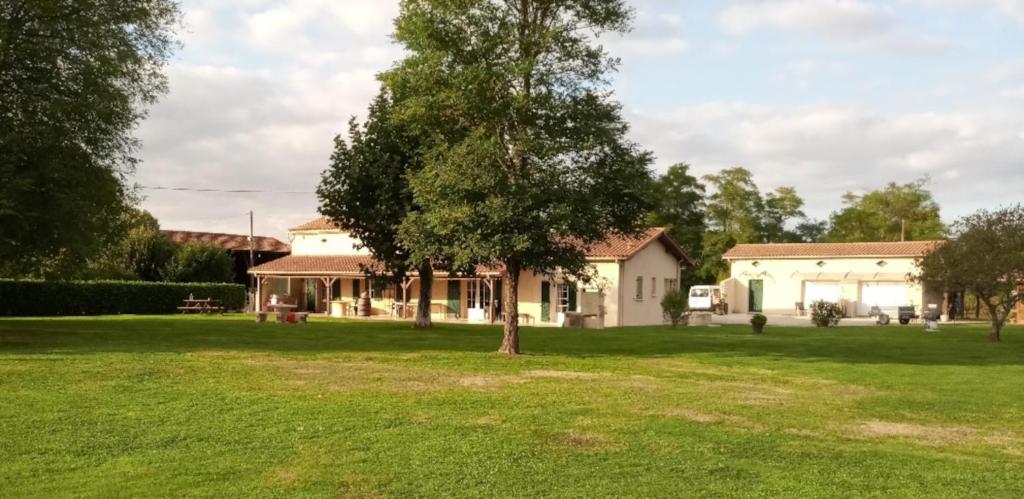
(827, 150)
(851, 22)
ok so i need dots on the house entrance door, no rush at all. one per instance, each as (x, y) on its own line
(756, 295)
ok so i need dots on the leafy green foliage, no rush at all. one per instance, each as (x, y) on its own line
(366, 191)
(674, 307)
(195, 262)
(826, 313)
(984, 256)
(529, 157)
(679, 207)
(758, 322)
(141, 251)
(75, 77)
(893, 213)
(42, 298)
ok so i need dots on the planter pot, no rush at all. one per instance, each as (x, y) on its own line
(758, 329)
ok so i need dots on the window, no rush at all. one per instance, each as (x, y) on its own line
(671, 285)
(279, 286)
(563, 298)
(471, 295)
(700, 292)
(377, 288)
(654, 287)
(639, 289)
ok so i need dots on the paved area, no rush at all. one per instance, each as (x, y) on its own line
(788, 320)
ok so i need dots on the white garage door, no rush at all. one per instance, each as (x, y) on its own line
(884, 295)
(821, 291)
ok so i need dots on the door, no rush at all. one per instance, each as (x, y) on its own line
(821, 291)
(887, 296)
(311, 295)
(756, 298)
(454, 298)
(355, 289)
(545, 301)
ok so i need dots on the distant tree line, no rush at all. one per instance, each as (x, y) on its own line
(711, 214)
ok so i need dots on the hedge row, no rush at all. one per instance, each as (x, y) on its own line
(109, 297)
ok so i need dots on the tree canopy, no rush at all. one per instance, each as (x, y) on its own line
(75, 77)
(196, 262)
(138, 251)
(366, 191)
(984, 255)
(529, 157)
(897, 212)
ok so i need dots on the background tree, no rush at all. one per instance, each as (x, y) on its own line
(893, 213)
(196, 262)
(984, 256)
(541, 166)
(75, 77)
(366, 191)
(738, 213)
(139, 251)
(679, 207)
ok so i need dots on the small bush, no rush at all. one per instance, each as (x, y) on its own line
(674, 307)
(758, 322)
(26, 298)
(826, 313)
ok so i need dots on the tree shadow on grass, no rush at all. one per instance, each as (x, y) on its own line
(953, 345)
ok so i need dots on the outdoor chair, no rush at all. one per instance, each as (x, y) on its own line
(800, 310)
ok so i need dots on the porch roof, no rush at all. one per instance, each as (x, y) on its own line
(334, 265)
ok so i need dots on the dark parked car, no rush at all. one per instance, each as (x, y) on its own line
(906, 314)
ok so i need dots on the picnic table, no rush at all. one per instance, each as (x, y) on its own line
(201, 306)
(281, 309)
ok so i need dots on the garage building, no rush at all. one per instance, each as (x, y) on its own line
(780, 278)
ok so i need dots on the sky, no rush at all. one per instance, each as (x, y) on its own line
(828, 96)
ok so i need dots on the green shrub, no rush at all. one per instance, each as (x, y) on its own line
(25, 298)
(674, 307)
(826, 313)
(195, 262)
(758, 322)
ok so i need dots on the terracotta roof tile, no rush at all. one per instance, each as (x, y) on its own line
(230, 242)
(317, 264)
(618, 246)
(322, 223)
(833, 250)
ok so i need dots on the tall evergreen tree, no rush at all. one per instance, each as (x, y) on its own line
(530, 160)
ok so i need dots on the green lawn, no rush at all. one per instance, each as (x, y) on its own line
(224, 407)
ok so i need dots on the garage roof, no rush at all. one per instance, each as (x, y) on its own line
(904, 249)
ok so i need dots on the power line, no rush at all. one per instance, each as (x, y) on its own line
(224, 191)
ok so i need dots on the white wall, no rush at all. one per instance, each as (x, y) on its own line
(784, 280)
(325, 243)
(653, 261)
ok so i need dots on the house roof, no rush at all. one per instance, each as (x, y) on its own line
(230, 242)
(620, 247)
(318, 264)
(907, 249)
(321, 223)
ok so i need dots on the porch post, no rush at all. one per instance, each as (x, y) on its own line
(490, 303)
(258, 305)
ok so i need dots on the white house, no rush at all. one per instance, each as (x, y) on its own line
(782, 278)
(328, 271)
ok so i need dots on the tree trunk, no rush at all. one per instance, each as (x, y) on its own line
(510, 304)
(426, 289)
(997, 323)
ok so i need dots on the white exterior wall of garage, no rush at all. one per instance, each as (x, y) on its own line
(858, 283)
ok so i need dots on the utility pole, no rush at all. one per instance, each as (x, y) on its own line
(252, 261)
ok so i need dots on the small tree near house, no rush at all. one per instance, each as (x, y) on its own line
(674, 307)
(984, 255)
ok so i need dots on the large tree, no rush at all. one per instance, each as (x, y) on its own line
(539, 165)
(366, 191)
(983, 256)
(737, 212)
(897, 212)
(75, 77)
(679, 207)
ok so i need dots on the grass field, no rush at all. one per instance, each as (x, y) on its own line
(224, 407)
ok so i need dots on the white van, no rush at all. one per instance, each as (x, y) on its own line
(705, 298)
